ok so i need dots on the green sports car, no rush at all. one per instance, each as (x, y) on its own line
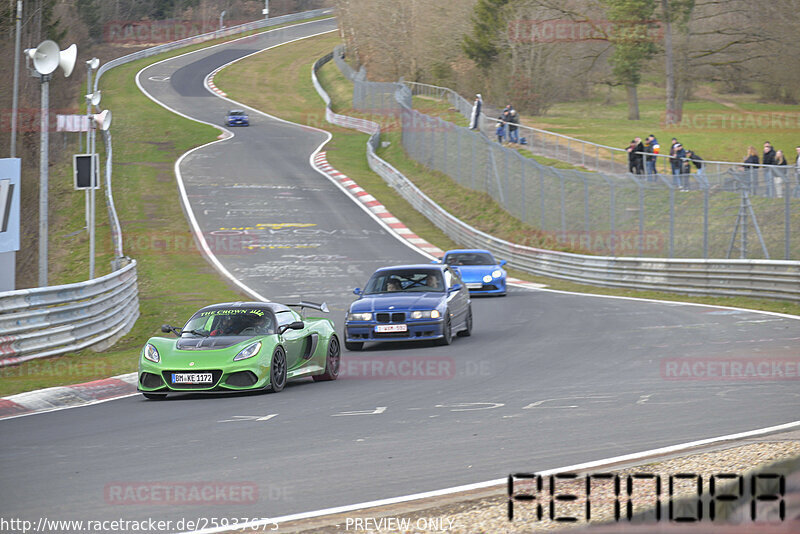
(240, 346)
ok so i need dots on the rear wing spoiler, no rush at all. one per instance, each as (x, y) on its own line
(313, 305)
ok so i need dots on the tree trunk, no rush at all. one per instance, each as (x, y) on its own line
(672, 113)
(633, 103)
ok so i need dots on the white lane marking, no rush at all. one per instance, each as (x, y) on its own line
(471, 406)
(159, 78)
(240, 418)
(59, 408)
(502, 481)
(594, 399)
(376, 411)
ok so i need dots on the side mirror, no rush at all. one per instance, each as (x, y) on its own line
(454, 288)
(167, 329)
(503, 262)
(297, 325)
(357, 291)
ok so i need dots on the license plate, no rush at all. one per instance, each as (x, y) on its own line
(192, 378)
(391, 328)
(474, 286)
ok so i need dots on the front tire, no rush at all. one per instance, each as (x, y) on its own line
(354, 346)
(277, 370)
(468, 327)
(332, 361)
(447, 331)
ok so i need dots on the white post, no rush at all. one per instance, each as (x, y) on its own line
(43, 178)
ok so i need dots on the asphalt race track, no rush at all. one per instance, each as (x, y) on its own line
(547, 379)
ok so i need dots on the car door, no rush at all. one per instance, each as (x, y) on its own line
(458, 301)
(292, 340)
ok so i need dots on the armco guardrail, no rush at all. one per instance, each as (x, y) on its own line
(751, 278)
(46, 321)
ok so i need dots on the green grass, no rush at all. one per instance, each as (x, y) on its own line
(174, 279)
(291, 96)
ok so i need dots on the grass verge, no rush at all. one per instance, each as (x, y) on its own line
(293, 97)
(174, 279)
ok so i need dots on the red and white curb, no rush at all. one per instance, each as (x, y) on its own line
(210, 82)
(373, 205)
(59, 398)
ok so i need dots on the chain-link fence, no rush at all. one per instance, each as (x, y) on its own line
(617, 214)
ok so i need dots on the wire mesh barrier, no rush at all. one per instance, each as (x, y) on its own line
(736, 213)
(729, 277)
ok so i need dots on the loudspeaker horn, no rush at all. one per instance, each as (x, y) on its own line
(94, 98)
(103, 120)
(45, 57)
(67, 58)
(93, 63)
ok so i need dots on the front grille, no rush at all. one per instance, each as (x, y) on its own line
(216, 374)
(397, 317)
(149, 380)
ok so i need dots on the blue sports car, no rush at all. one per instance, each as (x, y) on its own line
(409, 302)
(237, 117)
(481, 273)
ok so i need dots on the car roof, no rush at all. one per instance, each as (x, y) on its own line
(274, 306)
(236, 111)
(468, 251)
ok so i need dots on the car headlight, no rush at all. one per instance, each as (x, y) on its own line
(359, 316)
(248, 352)
(426, 314)
(497, 273)
(487, 279)
(151, 353)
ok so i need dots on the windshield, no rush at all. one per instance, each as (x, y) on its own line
(237, 113)
(405, 281)
(229, 322)
(469, 258)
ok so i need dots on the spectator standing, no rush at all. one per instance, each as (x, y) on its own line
(631, 156)
(513, 133)
(652, 147)
(697, 161)
(678, 180)
(638, 155)
(781, 186)
(475, 118)
(769, 159)
(751, 173)
(500, 131)
(674, 162)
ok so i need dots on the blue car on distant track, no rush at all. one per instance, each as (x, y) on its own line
(237, 117)
(409, 303)
(481, 273)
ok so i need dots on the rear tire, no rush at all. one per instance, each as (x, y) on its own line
(447, 331)
(155, 396)
(468, 327)
(354, 346)
(277, 370)
(332, 360)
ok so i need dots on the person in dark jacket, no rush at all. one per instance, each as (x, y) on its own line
(631, 156)
(769, 159)
(639, 158)
(750, 172)
(678, 155)
(513, 125)
(674, 162)
(651, 147)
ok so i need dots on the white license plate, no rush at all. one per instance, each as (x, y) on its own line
(192, 378)
(474, 286)
(391, 328)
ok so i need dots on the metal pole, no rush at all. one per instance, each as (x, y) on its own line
(221, 16)
(787, 193)
(43, 157)
(86, 193)
(15, 97)
(92, 202)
